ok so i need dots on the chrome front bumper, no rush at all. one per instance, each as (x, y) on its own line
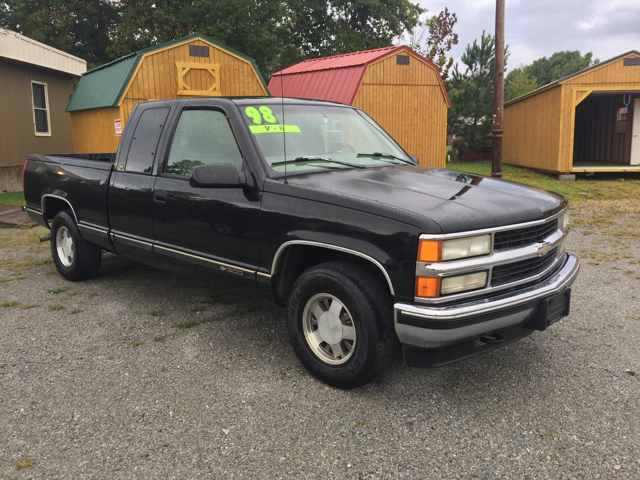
(440, 326)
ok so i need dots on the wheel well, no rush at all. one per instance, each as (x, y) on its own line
(298, 258)
(53, 205)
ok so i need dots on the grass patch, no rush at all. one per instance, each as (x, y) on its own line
(13, 198)
(157, 313)
(24, 462)
(219, 299)
(80, 328)
(604, 187)
(76, 310)
(93, 295)
(4, 280)
(56, 308)
(137, 344)
(58, 290)
(160, 338)
(9, 304)
(26, 307)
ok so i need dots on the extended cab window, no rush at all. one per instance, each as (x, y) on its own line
(202, 137)
(145, 140)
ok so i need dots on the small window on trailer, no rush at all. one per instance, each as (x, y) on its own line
(40, 102)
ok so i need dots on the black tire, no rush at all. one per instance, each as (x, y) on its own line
(365, 313)
(75, 258)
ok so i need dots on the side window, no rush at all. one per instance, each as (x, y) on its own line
(145, 140)
(202, 137)
(40, 108)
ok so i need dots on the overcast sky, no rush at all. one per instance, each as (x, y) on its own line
(538, 28)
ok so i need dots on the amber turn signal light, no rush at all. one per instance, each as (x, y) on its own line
(428, 287)
(430, 251)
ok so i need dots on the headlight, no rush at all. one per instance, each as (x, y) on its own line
(443, 250)
(563, 222)
(463, 283)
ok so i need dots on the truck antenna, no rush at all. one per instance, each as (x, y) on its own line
(284, 140)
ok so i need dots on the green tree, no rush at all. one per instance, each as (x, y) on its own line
(471, 112)
(80, 27)
(518, 83)
(557, 66)
(276, 34)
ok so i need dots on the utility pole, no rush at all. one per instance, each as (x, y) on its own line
(498, 92)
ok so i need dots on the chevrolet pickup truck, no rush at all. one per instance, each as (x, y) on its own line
(314, 205)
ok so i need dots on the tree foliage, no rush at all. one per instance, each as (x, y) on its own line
(544, 71)
(438, 30)
(471, 112)
(276, 33)
(80, 27)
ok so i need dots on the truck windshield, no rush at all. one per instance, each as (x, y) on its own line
(325, 137)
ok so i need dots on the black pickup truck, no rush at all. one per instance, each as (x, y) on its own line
(314, 205)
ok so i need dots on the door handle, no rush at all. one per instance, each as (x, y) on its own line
(160, 197)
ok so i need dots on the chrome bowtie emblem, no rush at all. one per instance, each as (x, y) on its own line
(542, 248)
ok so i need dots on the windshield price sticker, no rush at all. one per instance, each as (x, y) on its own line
(274, 129)
(266, 112)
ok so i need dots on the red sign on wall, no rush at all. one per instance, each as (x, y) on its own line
(118, 124)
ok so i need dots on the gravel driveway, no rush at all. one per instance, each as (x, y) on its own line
(142, 374)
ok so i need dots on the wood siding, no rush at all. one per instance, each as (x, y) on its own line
(156, 78)
(17, 133)
(532, 131)
(94, 130)
(609, 74)
(157, 75)
(408, 102)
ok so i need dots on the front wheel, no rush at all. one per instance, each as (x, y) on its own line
(340, 324)
(74, 257)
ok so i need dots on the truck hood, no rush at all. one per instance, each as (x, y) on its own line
(456, 201)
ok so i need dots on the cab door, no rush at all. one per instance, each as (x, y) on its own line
(211, 227)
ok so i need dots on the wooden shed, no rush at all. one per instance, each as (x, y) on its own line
(191, 66)
(586, 122)
(397, 87)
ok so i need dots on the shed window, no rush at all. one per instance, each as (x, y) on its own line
(631, 62)
(202, 137)
(198, 51)
(402, 60)
(40, 108)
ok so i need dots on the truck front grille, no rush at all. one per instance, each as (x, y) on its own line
(521, 237)
(513, 272)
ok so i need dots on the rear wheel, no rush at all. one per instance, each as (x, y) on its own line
(74, 257)
(340, 324)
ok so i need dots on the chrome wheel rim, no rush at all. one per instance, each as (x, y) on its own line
(65, 246)
(329, 329)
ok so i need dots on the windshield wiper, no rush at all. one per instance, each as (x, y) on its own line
(384, 155)
(318, 159)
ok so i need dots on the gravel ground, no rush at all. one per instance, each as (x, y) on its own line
(102, 379)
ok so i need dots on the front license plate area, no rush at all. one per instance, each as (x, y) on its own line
(550, 310)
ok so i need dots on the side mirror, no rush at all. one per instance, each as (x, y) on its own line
(415, 159)
(219, 175)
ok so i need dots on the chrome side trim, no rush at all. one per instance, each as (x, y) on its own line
(473, 233)
(265, 275)
(59, 198)
(100, 232)
(223, 266)
(274, 265)
(560, 280)
(133, 242)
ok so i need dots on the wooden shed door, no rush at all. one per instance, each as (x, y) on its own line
(635, 133)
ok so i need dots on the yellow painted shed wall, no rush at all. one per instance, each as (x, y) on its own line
(94, 130)
(408, 102)
(532, 131)
(539, 130)
(156, 78)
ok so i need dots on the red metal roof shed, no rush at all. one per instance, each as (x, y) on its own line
(396, 92)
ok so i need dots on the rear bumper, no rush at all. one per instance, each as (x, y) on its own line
(511, 316)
